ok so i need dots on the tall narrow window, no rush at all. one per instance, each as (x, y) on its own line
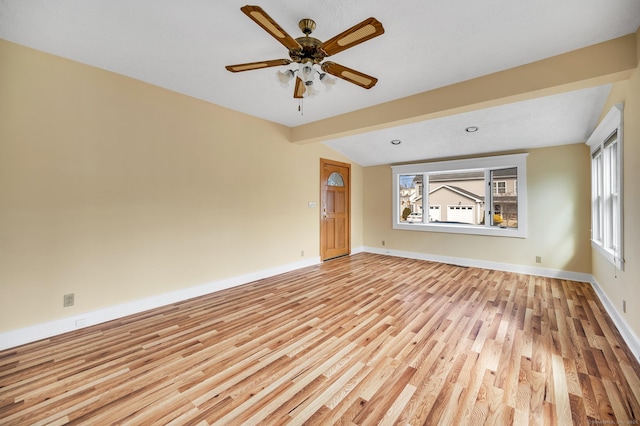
(606, 187)
(410, 198)
(596, 196)
(504, 204)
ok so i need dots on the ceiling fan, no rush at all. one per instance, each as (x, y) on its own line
(308, 51)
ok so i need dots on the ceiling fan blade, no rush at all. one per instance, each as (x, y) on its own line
(257, 65)
(365, 30)
(348, 74)
(261, 18)
(300, 88)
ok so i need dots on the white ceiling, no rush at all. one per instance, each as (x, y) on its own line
(184, 46)
(551, 120)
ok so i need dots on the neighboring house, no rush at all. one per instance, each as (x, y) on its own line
(408, 200)
(461, 197)
(505, 202)
(449, 203)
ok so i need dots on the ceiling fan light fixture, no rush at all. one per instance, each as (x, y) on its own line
(285, 77)
(306, 71)
(310, 91)
(327, 80)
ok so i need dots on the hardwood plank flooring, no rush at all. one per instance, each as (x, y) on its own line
(365, 339)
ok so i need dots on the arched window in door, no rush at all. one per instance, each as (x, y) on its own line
(335, 179)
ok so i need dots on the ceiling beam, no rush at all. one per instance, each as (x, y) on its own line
(601, 63)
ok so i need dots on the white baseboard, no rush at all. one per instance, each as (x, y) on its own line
(627, 333)
(36, 332)
(474, 263)
(357, 250)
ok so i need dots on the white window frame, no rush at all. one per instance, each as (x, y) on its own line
(606, 176)
(485, 164)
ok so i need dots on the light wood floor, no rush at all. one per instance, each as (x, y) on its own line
(366, 339)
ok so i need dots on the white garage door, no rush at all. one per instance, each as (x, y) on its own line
(462, 214)
(434, 213)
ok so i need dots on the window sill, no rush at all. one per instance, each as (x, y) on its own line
(462, 229)
(608, 255)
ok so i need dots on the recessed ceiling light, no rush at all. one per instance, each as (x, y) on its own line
(471, 129)
(396, 142)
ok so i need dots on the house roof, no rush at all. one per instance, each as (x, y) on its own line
(450, 177)
(444, 177)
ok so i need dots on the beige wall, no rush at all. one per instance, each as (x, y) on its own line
(625, 285)
(558, 217)
(116, 190)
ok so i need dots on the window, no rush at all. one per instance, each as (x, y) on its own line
(470, 196)
(505, 204)
(335, 179)
(606, 187)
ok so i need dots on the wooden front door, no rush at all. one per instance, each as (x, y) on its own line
(335, 209)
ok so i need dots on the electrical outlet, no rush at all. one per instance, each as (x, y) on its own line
(383, 243)
(538, 259)
(624, 306)
(301, 253)
(68, 300)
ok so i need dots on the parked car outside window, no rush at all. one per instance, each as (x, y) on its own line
(414, 217)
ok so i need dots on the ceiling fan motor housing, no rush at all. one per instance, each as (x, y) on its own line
(310, 45)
